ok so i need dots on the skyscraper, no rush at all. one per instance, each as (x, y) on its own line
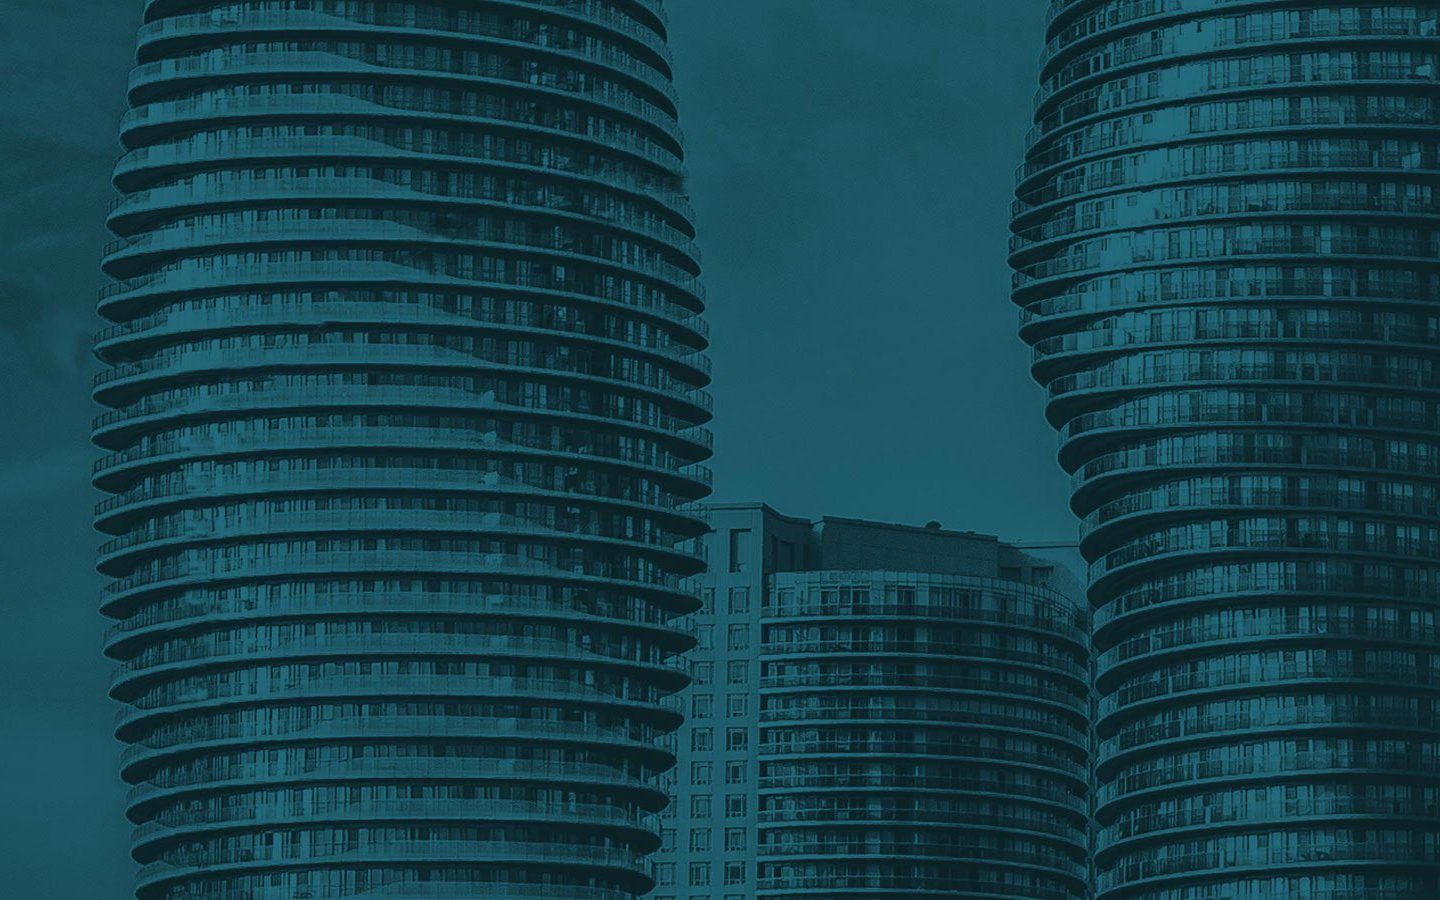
(1225, 244)
(406, 388)
(878, 710)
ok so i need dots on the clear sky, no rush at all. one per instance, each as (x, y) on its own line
(851, 164)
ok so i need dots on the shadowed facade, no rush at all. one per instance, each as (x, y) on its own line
(879, 711)
(1225, 242)
(405, 382)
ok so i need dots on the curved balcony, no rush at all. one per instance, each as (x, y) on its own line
(209, 193)
(200, 30)
(177, 281)
(184, 364)
(626, 865)
(194, 655)
(191, 159)
(156, 412)
(145, 798)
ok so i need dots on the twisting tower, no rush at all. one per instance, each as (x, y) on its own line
(1226, 241)
(406, 414)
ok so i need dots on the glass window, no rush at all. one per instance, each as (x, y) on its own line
(735, 872)
(739, 600)
(737, 671)
(699, 873)
(737, 738)
(739, 637)
(735, 806)
(702, 739)
(735, 839)
(739, 549)
(700, 773)
(735, 705)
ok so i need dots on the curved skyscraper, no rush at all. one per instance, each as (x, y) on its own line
(1226, 244)
(406, 414)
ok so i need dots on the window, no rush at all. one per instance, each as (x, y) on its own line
(735, 872)
(734, 839)
(699, 873)
(738, 637)
(702, 739)
(704, 672)
(1041, 575)
(735, 806)
(739, 600)
(665, 873)
(699, 773)
(707, 602)
(700, 840)
(702, 705)
(735, 771)
(737, 671)
(739, 549)
(667, 838)
(705, 636)
(735, 705)
(700, 806)
(737, 738)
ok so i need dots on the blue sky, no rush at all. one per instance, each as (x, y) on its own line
(851, 163)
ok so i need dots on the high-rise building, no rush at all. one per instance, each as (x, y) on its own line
(878, 710)
(406, 409)
(1225, 244)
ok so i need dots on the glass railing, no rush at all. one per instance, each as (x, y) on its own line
(294, 765)
(943, 779)
(191, 443)
(197, 317)
(193, 700)
(263, 643)
(364, 477)
(246, 730)
(213, 528)
(417, 22)
(156, 407)
(210, 190)
(246, 63)
(213, 861)
(182, 361)
(191, 278)
(199, 569)
(588, 11)
(219, 146)
(176, 825)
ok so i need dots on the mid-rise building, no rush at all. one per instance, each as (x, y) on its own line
(1225, 241)
(405, 387)
(878, 710)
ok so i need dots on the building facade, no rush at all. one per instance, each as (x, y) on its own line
(1225, 244)
(878, 710)
(405, 388)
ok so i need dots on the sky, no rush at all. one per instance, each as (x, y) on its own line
(850, 163)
